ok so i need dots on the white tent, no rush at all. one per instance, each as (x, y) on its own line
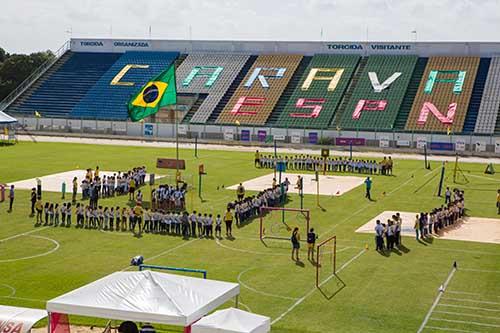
(6, 119)
(14, 319)
(146, 296)
(232, 321)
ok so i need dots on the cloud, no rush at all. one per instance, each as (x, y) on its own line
(32, 25)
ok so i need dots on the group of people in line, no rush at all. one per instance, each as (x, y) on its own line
(390, 231)
(134, 219)
(121, 183)
(168, 197)
(318, 163)
(440, 218)
(247, 208)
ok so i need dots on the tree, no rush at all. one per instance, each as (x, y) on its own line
(17, 67)
(3, 55)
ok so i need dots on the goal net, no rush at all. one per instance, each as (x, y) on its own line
(279, 222)
(326, 259)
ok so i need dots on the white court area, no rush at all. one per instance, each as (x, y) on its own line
(53, 183)
(473, 229)
(328, 185)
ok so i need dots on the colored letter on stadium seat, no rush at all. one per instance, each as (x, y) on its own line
(262, 78)
(368, 105)
(247, 101)
(433, 78)
(116, 80)
(316, 108)
(204, 71)
(377, 86)
(334, 80)
(429, 107)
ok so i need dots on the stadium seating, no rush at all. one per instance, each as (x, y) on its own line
(477, 93)
(107, 100)
(257, 95)
(210, 74)
(490, 102)
(375, 107)
(319, 91)
(64, 85)
(443, 96)
(410, 94)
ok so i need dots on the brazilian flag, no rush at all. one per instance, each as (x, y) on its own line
(157, 93)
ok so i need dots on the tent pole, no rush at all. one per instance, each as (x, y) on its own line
(48, 321)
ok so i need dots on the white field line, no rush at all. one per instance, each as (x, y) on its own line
(23, 234)
(25, 299)
(450, 329)
(479, 270)
(436, 301)
(465, 314)
(437, 248)
(303, 298)
(464, 322)
(487, 178)
(258, 291)
(468, 293)
(470, 300)
(469, 307)
(164, 252)
(348, 218)
(57, 245)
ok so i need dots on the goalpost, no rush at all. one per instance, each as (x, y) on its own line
(279, 222)
(326, 260)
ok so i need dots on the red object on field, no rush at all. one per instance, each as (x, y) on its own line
(59, 323)
(187, 329)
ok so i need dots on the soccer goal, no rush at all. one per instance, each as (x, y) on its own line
(278, 222)
(326, 260)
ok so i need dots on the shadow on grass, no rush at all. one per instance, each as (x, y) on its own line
(331, 287)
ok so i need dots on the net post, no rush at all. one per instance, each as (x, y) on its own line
(317, 265)
(335, 255)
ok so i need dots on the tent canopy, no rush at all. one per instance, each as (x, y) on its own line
(6, 119)
(232, 321)
(146, 296)
(14, 319)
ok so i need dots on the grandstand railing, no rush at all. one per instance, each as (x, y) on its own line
(114, 129)
(23, 86)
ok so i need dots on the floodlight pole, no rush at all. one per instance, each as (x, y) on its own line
(176, 144)
(275, 159)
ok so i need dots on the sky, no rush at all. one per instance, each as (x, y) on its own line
(34, 25)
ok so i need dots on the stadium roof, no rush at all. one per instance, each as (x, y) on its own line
(146, 296)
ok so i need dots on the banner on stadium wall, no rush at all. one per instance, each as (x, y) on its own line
(296, 137)
(350, 141)
(183, 129)
(480, 146)
(383, 142)
(443, 146)
(497, 146)
(421, 142)
(262, 135)
(313, 137)
(245, 135)
(279, 137)
(148, 129)
(459, 145)
(228, 134)
(403, 143)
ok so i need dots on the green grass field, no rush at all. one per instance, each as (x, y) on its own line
(373, 292)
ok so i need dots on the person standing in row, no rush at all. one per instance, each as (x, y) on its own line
(379, 236)
(368, 185)
(33, 201)
(11, 197)
(295, 239)
(228, 219)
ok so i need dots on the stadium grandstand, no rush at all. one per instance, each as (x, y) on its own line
(276, 88)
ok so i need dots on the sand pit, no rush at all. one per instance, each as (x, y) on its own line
(473, 229)
(328, 185)
(53, 183)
